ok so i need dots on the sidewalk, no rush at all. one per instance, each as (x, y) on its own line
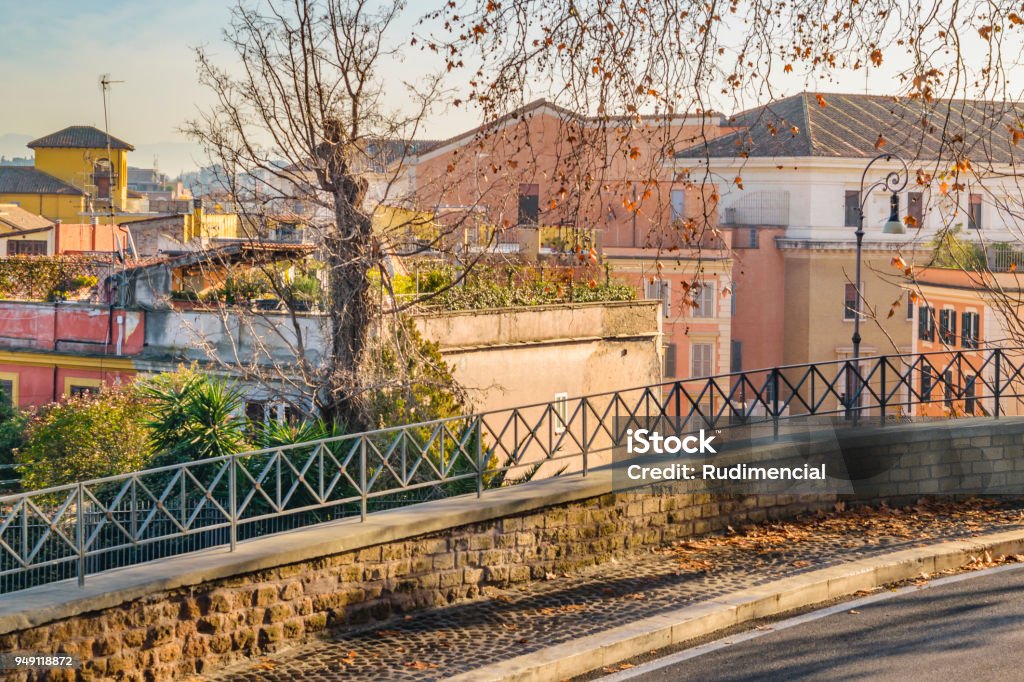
(525, 620)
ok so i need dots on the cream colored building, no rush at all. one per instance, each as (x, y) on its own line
(789, 185)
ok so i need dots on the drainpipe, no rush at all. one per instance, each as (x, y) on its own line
(120, 331)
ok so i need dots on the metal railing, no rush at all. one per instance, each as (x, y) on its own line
(74, 530)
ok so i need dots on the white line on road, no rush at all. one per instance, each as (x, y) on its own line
(740, 637)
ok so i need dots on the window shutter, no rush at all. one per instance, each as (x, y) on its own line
(922, 323)
(670, 361)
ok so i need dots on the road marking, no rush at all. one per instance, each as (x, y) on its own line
(760, 631)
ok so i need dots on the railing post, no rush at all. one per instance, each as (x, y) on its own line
(479, 455)
(997, 389)
(881, 401)
(24, 549)
(80, 533)
(134, 512)
(586, 445)
(362, 478)
(775, 402)
(233, 500)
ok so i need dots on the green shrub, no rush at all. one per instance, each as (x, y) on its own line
(85, 437)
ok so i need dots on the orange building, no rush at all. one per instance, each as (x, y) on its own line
(53, 350)
(543, 179)
(958, 312)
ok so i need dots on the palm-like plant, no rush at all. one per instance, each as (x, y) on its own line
(193, 417)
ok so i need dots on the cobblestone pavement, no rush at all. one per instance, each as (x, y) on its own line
(437, 643)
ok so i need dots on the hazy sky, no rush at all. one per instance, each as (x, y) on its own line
(52, 53)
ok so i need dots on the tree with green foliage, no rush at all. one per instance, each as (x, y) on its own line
(85, 437)
(12, 429)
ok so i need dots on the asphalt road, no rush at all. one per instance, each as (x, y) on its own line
(967, 628)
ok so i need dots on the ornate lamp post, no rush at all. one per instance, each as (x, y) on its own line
(895, 183)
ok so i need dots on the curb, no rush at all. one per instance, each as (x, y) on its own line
(704, 618)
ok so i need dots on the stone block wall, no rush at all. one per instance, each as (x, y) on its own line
(173, 634)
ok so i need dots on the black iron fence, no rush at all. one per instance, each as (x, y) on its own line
(75, 530)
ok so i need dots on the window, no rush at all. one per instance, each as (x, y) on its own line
(969, 331)
(560, 412)
(915, 208)
(970, 404)
(529, 204)
(262, 412)
(850, 302)
(7, 392)
(926, 323)
(947, 326)
(910, 305)
(678, 204)
(974, 212)
(670, 361)
(701, 360)
(926, 385)
(26, 247)
(735, 356)
(660, 290)
(852, 208)
(78, 391)
(102, 177)
(704, 300)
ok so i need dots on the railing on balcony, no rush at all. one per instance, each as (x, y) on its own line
(75, 530)
(1004, 259)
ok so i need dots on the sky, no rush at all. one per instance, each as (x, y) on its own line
(52, 52)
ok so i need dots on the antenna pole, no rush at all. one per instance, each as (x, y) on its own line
(105, 84)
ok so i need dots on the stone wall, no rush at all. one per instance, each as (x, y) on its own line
(190, 630)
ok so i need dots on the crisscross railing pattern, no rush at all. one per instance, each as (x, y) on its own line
(75, 530)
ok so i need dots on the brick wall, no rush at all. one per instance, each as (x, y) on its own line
(194, 630)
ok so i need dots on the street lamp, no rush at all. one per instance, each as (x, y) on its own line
(893, 182)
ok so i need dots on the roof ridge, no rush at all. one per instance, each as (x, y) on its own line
(807, 122)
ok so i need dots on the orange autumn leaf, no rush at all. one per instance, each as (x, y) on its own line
(788, 68)
(898, 263)
(592, 283)
(910, 221)
(738, 181)
(880, 142)
(944, 187)
(821, 101)
(876, 57)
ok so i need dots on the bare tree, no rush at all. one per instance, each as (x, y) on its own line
(301, 121)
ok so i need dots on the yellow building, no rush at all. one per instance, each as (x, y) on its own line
(77, 170)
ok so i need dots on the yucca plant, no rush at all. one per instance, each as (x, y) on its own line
(194, 417)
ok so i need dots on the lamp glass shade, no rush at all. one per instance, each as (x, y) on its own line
(894, 225)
